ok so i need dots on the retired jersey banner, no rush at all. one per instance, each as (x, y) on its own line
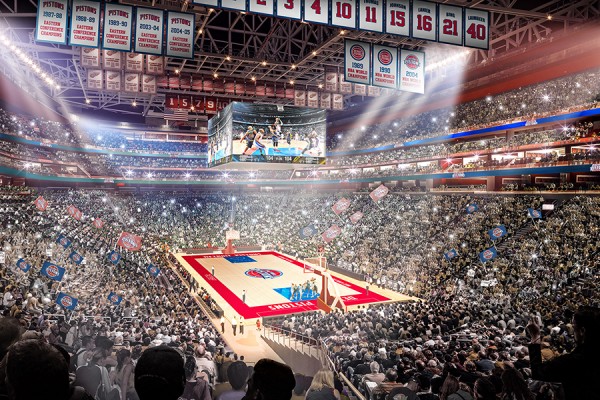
(341, 206)
(262, 6)
(370, 15)
(51, 24)
(345, 87)
(424, 20)
(149, 84)
(134, 62)
(343, 13)
(85, 23)
(477, 28)
(155, 65)
(385, 66)
(149, 25)
(234, 4)
(331, 81)
(450, 24)
(379, 193)
(112, 59)
(357, 216)
(397, 19)
(118, 22)
(316, 11)
(412, 71)
(129, 241)
(90, 57)
(41, 203)
(66, 301)
(180, 34)
(132, 82)
(326, 100)
(95, 80)
(357, 62)
(299, 98)
(331, 233)
(213, 3)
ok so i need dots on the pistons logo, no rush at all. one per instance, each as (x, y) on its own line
(471, 208)
(129, 242)
(114, 257)
(308, 231)
(76, 257)
(114, 298)
(22, 265)
(497, 232)
(385, 57)
(52, 271)
(357, 52)
(66, 301)
(412, 62)
(535, 213)
(263, 273)
(64, 241)
(488, 254)
(153, 270)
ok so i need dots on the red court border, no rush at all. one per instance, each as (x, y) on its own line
(274, 309)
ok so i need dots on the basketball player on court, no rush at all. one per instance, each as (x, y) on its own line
(275, 138)
(313, 143)
(249, 138)
(257, 144)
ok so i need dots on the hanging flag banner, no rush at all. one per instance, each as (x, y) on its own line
(373, 91)
(180, 34)
(51, 23)
(357, 62)
(114, 257)
(326, 100)
(360, 89)
(345, 87)
(41, 203)
(331, 233)
(497, 232)
(132, 82)
(412, 71)
(379, 193)
(354, 218)
(129, 241)
(424, 20)
(397, 21)
(487, 255)
(85, 23)
(289, 9)
(450, 24)
(112, 59)
(149, 25)
(341, 206)
(477, 28)
(331, 83)
(343, 13)
(113, 80)
(213, 3)
(90, 57)
(118, 21)
(370, 15)
(98, 223)
(338, 101)
(115, 298)
(313, 99)
(134, 62)
(66, 301)
(94, 79)
(155, 65)
(234, 4)
(23, 265)
(299, 98)
(385, 66)
(149, 84)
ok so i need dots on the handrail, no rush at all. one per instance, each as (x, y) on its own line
(341, 375)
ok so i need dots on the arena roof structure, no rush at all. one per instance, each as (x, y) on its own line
(249, 47)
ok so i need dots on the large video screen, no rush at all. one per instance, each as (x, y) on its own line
(244, 132)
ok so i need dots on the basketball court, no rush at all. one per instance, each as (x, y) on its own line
(266, 278)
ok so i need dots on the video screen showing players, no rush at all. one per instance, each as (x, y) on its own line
(268, 133)
(219, 136)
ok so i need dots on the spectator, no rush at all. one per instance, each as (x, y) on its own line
(160, 374)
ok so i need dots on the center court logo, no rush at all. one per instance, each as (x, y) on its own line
(263, 273)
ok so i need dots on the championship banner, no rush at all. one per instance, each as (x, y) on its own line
(341, 206)
(343, 13)
(397, 21)
(338, 101)
(385, 66)
(326, 100)
(354, 218)
(313, 99)
(477, 28)
(118, 20)
(180, 34)
(41, 203)
(94, 79)
(155, 65)
(370, 15)
(331, 83)
(373, 91)
(129, 241)
(331, 233)
(149, 25)
(112, 59)
(345, 87)
(450, 28)
(66, 301)
(360, 89)
(51, 23)
(85, 23)
(289, 9)
(113, 80)
(379, 193)
(357, 62)
(412, 71)
(134, 62)
(424, 20)
(149, 84)
(299, 98)
(132, 82)
(90, 57)
(262, 6)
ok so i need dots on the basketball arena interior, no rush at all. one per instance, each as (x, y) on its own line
(279, 199)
